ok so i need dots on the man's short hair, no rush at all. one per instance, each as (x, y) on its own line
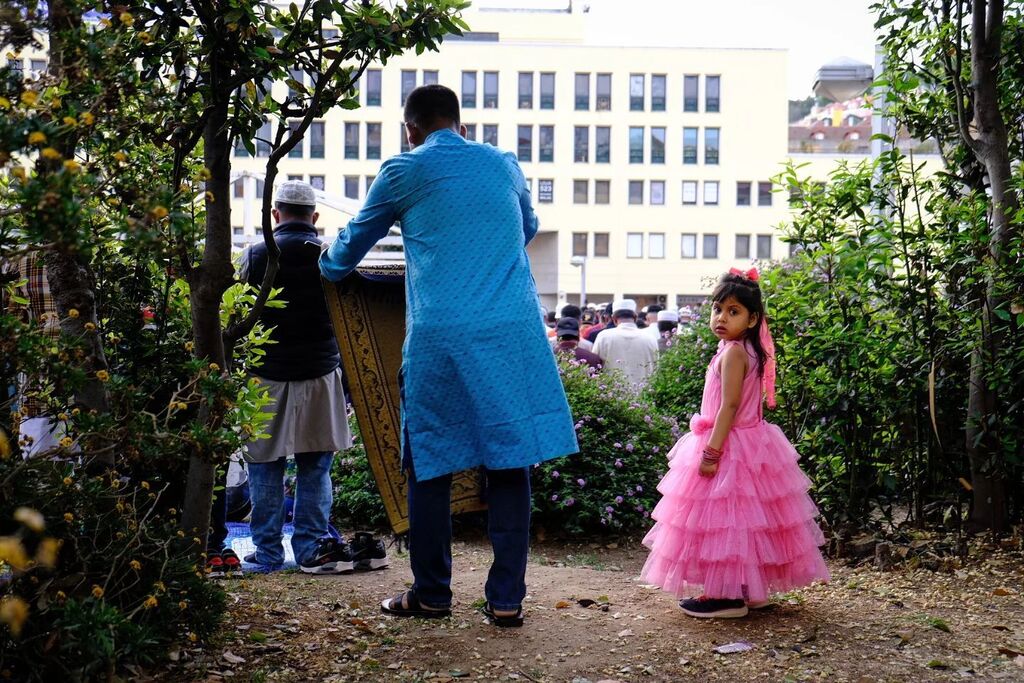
(295, 210)
(654, 308)
(571, 311)
(429, 105)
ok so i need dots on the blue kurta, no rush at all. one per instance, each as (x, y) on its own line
(480, 382)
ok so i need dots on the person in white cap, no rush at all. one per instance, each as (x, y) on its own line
(625, 347)
(302, 371)
(668, 323)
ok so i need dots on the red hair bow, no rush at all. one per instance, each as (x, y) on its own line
(751, 274)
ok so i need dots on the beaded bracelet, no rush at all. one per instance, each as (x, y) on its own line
(711, 456)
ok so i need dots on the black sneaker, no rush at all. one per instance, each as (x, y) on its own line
(368, 552)
(713, 608)
(332, 557)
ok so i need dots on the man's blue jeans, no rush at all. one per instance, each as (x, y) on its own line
(313, 498)
(430, 537)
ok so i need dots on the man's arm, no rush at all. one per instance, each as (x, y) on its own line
(530, 222)
(362, 232)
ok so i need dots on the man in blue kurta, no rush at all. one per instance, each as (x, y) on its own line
(479, 383)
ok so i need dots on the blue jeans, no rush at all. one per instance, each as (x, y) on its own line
(430, 537)
(313, 498)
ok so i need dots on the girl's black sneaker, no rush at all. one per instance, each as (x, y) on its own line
(331, 557)
(368, 552)
(713, 608)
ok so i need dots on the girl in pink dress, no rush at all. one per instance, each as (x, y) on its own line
(735, 520)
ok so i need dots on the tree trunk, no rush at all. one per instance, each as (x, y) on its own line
(208, 282)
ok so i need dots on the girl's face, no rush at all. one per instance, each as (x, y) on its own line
(730, 319)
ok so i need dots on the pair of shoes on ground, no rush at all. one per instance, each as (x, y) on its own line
(335, 556)
(719, 608)
(408, 605)
(223, 564)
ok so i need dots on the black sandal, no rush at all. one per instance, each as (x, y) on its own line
(393, 606)
(513, 621)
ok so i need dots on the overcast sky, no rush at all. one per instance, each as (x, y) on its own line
(814, 31)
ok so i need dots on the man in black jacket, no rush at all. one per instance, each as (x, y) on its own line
(302, 370)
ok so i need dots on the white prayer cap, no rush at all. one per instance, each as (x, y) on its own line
(295, 192)
(668, 317)
(623, 305)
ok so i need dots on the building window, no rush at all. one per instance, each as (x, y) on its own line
(352, 186)
(545, 190)
(690, 97)
(689, 246)
(711, 144)
(582, 92)
(238, 188)
(17, 67)
(689, 145)
(470, 131)
(373, 87)
(689, 192)
(373, 141)
(296, 151)
(712, 88)
(316, 141)
(742, 193)
(546, 143)
(710, 245)
(490, 90)
(369, 182)
(491, 134)
(526, 90)
(657, 145)
(764, 194)
(658, 87)
(764, 246)
(468, 89)
(295, 176)
(408, 84)
(711, 192)
(604, 92)
(580, 190)
(403, 139)
(636, 92)
(602, 191)
(296, 84)
(238, 230)
(603, 144)
(429, 78)
(38, 67)
(581, 144)
(636, 192)
(259, 189)
(263, 140)
(634, 245)
(351, 140)
(656, 245)
(547, 90)
(579, 244)
(636, 145)
(600, 244)
(742, 246)
(240, 150)
(657, 192)
(525, 144)
(318, 182)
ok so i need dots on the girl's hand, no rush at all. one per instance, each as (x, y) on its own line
(708, 469)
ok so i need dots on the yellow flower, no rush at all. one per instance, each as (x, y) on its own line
(66, 442)
(62, 596)
(29, 97)
(87, 118)
(192, 637)
(159, 586)
(12, 552)
(180, 406)
(159, 212)
(97, 591)
(36, 137)
(70, 121)
(105, 22)
(204, 174)
(46, 553)
(19, 173)
(172, 511)
(72, 312)
(5, 446)
(126, 19)
(72, 166)
(33, 519)
(50, 153)
(120, 156)
(90, 327)
(181, 534)
(67, 481)
(135, 564)
(5, 103)
(209, 197)
(189, 346)
(182, 605)
(144, 37)
(68, 517)
(145, 485)
(214, 367)
(75, 411)
(14, 613)
(149, 603)
(102, 375)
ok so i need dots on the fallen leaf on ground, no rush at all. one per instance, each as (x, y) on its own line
(561, 604)
(231, 658)
(731, 648)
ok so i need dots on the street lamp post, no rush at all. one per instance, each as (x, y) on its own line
(581, 263)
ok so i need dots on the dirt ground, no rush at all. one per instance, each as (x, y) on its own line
(866, 625)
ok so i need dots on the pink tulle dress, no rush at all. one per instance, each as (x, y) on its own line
(748, 531)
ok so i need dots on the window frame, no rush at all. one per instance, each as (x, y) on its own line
(491, 98)
(581, 152)
(651, 242)
(581, 101)
(631, 185)
(470, 101)
(525, 98)
(682, 245)
(547, 101)
(631, 238)
(691, 103)
(606, 103)
(705, 237)
(637, 102)
(695, 185)
(577, 183)
(528, 155)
